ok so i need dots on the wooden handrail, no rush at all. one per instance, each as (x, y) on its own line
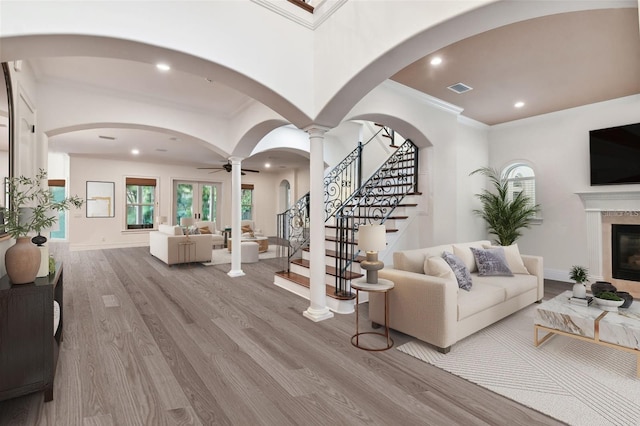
(302, 4)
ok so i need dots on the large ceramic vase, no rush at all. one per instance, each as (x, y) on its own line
(22, 261)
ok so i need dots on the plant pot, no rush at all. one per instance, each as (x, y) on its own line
(579, 291)
(22, 261)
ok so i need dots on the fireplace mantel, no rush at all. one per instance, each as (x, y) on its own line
(596, 202)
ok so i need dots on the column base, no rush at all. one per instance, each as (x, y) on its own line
(317, 315)
(236, 273)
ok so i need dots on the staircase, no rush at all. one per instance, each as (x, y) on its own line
(383, 199)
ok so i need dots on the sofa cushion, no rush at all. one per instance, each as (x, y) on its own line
(170, 229)
(491, 262)
(205, 230)
(459, 270)
(480, 297)
(513, 286)
(462, 250)
(514, 260)
(413, 260)
(436, 266)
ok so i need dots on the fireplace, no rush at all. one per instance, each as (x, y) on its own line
(625, 252)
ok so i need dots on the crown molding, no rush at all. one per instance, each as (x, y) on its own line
(322, 11)
(422, 97)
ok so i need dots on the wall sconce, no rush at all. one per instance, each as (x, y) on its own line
(371, 240)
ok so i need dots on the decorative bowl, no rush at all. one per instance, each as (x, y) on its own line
(608, 305)
(600, 286)
(628, 298)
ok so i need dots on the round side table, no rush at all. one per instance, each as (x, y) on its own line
(383, 286)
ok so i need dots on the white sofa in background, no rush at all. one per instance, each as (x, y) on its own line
(216, 235)
(165, 245)
(434, 309)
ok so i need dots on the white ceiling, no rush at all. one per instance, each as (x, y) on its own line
(550, 63)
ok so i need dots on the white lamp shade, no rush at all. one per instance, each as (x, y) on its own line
(372, 237)
(187, 221)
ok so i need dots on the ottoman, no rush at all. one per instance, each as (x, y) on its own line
(249, 252)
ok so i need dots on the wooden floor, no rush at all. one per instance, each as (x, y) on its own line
(148, 344)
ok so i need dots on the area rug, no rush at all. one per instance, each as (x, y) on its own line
(222, 256)
(576, 382)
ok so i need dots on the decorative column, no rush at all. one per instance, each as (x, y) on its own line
(594, 242)
(236, 217)
(317, 310)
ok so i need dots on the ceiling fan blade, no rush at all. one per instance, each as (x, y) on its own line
(209, 168)
(252, 171)
(215, 171)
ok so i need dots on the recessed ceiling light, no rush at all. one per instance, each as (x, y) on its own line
(267, 165)
(135, 151)
(163, 67)
(436, 61)
(519, 104)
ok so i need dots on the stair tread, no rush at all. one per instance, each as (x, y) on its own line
(389, 230)
(332, 253)
(304, 281)
(331, 270)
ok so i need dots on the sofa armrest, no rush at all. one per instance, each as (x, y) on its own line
(534, 265)
(422, 306)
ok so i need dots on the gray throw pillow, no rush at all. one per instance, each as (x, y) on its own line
(460, 270)
(491, 262)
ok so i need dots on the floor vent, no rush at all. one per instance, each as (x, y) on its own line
(460, 88)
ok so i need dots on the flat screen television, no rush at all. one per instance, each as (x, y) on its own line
(615, 155)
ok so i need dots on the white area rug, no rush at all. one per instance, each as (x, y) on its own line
(222, 256)
(577, 382)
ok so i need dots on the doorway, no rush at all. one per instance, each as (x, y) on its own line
(198, 200)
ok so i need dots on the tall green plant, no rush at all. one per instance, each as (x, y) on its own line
(30, 205)
(505, 217)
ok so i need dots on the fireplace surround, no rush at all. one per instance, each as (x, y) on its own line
(602, 211)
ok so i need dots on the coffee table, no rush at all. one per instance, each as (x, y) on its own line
(263, 243)
(619, 330)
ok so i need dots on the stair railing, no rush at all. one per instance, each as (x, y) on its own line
(339, 183)
(373, 203)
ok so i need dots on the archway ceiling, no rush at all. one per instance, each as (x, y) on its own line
(551, 63)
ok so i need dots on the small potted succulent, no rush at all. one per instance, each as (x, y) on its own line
(580, 275)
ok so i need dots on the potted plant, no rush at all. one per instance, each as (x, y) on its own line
(505, 216)
(580, 275)
(31, 209)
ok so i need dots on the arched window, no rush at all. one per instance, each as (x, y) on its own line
(521, 178)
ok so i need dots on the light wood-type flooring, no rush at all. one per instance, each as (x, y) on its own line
(148, 344)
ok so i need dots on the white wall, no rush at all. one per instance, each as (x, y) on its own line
(90, 233)
(557, 145)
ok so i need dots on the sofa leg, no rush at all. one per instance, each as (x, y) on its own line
(375, 325)
(539, 301)
(443, 350)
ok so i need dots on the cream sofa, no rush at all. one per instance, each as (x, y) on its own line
(217, 239)
(435, 310)
(165, 245)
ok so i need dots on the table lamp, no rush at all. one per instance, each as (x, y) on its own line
(186, 222)
(371, 240)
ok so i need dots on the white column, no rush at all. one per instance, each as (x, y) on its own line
(318, 310)
(236, 216)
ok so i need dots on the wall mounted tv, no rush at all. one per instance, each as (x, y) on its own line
(615, 155)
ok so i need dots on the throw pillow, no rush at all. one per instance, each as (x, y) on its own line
(463, 252)
(459, 270)
(246, 228)
(205, 230)
(437, 267)
(491, 262)
(514, 260)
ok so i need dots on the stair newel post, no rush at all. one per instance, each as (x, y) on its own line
(317, 310)
(415, 167)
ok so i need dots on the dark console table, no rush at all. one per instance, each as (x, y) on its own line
(28, 347)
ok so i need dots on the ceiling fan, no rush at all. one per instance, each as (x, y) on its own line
(227, 167)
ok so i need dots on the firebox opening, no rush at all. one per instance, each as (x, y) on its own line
(625, 252)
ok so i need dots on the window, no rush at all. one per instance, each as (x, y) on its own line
(247, 202)
(57, 188)
(521, 178)
(141, 200)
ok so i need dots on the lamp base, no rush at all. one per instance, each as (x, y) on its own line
(372, 265)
